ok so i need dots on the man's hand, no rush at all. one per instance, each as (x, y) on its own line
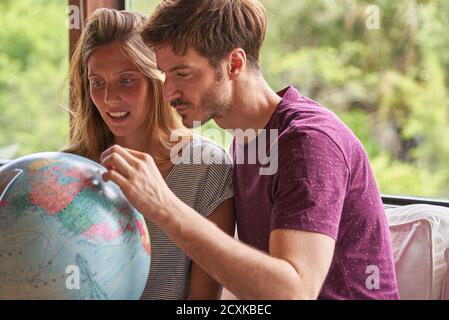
(139, 179)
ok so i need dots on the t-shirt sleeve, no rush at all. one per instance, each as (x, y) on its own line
(218, 181)
(310, 185)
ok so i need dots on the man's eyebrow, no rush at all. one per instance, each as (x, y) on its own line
(175, 68)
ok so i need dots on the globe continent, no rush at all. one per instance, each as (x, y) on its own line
(66, 234)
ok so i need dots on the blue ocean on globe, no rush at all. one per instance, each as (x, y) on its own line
(67, 234)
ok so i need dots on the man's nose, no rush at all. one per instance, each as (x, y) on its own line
(169, 92)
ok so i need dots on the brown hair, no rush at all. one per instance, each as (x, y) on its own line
(90, 136)
(212, 27)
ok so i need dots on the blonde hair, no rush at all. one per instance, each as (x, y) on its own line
(89, 134)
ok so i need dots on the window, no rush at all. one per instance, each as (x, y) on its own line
(33, 68)
(382, 67)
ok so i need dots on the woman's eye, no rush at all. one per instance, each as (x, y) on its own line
(96, 84)
(127, 81)
(182, 75)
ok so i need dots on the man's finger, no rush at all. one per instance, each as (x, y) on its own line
(106, 153)
(126, 155)
(115, 161)
(115, 177)
(137, 154)
(110, 150)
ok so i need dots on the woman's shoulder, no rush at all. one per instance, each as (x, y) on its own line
(203, 178)
(206, 152)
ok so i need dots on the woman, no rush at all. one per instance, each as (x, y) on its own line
(116, 98)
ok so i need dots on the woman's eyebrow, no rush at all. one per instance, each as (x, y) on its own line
(116, 73)
(127, 71)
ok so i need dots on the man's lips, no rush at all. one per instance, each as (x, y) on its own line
(181, 107)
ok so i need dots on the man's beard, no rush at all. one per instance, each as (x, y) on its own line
(212, 105)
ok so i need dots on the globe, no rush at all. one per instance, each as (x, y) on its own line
(67, 234)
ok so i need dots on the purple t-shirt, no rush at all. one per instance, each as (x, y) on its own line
(322, 183)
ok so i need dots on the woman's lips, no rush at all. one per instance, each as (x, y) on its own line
(118, 116)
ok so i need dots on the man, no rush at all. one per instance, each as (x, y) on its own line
(312, 228)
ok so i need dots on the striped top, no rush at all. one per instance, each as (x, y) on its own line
(202, 180)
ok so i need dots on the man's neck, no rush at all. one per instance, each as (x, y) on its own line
(253, 104)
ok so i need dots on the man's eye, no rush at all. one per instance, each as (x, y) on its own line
(182, 75)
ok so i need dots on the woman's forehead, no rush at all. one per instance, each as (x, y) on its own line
(110, 58)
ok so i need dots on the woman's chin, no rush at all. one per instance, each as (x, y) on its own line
(118, 133)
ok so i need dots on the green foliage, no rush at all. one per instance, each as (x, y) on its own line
(33, 67)
(396, 177)
(389, 85)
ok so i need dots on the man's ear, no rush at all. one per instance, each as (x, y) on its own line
(237, 63)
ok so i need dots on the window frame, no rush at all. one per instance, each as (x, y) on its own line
(87, 7)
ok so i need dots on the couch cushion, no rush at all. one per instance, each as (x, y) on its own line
(445, 291)
(420, 236)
